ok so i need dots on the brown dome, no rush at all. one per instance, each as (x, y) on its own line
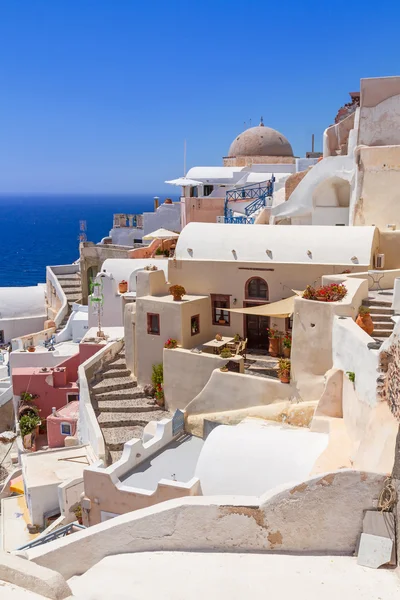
(260, 141)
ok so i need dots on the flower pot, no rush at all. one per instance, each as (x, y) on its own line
(274, 346)
(31, 349)
(123, 286)
(284, 377)
(286, 352)
(365, 322)
(224, 369)
(222, 321)
(177, 297)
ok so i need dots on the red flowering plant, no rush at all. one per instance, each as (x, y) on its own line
(171, 344)
(334, 292)
(274, 333)
(287, 340)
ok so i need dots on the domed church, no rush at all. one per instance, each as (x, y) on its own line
(259, 145)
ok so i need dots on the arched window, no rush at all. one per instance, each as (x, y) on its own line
(257, 288)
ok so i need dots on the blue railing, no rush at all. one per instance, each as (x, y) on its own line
(57, 533)
(258, 192)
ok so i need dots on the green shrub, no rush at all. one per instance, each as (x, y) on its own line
(28, 423)
(351, 376)
(157, 377)
(226, 353)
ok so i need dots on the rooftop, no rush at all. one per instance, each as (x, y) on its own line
(348, 246)
(55, 466)
(176, 462)
(199, 575)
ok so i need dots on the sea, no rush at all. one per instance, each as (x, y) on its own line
(37, 231)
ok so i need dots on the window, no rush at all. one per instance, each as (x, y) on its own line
(1, 336)
(220, 316)
(66, 428)
(153, 324)
(289, 323)
(72, 397)
(257, 288)
(207, 190)
(195, 324)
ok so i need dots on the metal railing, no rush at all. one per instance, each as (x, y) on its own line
(259, 193)
(54, 535)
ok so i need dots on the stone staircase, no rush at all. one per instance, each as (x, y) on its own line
(121, 406)
(71, 285)
(381, 313)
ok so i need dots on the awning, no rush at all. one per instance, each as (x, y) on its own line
(17, 485)
(280, 310)
(183, 181)
(161, 234)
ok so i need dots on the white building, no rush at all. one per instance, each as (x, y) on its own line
(22, 311)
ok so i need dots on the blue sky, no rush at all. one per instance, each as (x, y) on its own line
(98, 95)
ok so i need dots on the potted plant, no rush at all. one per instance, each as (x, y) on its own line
(287, 344)
(27, 397)
(157, 378)
(28, 424)
(226, 353)
(171, 344)
(218, 337)
(274, 339)
(78, 513)
(177, 292)
(236, 338)
(31, 349)
(334, 292)
(284, 370)
(123, 286)
(364, 319)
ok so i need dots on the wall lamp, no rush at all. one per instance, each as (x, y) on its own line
(234, 301)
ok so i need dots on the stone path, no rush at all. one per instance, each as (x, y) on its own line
(121, 406)
(261, 365)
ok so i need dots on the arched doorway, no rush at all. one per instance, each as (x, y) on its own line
(255, 326)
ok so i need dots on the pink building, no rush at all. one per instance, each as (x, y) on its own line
(62, 423)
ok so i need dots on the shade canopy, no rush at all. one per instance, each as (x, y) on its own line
(280, 310)
(161, 234)
(182, 181)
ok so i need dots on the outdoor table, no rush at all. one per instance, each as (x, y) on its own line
(376, 277)
(218, 344)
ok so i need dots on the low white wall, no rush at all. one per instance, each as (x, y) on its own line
(69, 495)
(312, 335)
(77, 325)
(309, 516)
(21, 326)
(39, 359)
(233, 391)
(63, 310)
(42, 335)
(186, 373)
(89, 430)
(350, 352)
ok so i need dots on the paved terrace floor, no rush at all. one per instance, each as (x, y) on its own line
(195, 576)
(261, 364)
(176, 462)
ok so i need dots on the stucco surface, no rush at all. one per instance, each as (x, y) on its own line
(235, 576)
(242, 459)
(334, 245)
(31, 577)
(309, 516)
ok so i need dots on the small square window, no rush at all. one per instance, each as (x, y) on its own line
(219, 303)
(66, 428)
(195, 324)
(153, 324)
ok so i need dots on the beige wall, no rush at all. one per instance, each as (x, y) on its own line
(186, 373)
(115, 499)
(246, 161)
(312, 337)
(174, 323)
(389, 244)
(379, 187)
(310, 517)
(239, 391)
(203, 209)
(213, 277)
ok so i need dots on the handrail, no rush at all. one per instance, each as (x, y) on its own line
(259, 192)
(54, 535)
